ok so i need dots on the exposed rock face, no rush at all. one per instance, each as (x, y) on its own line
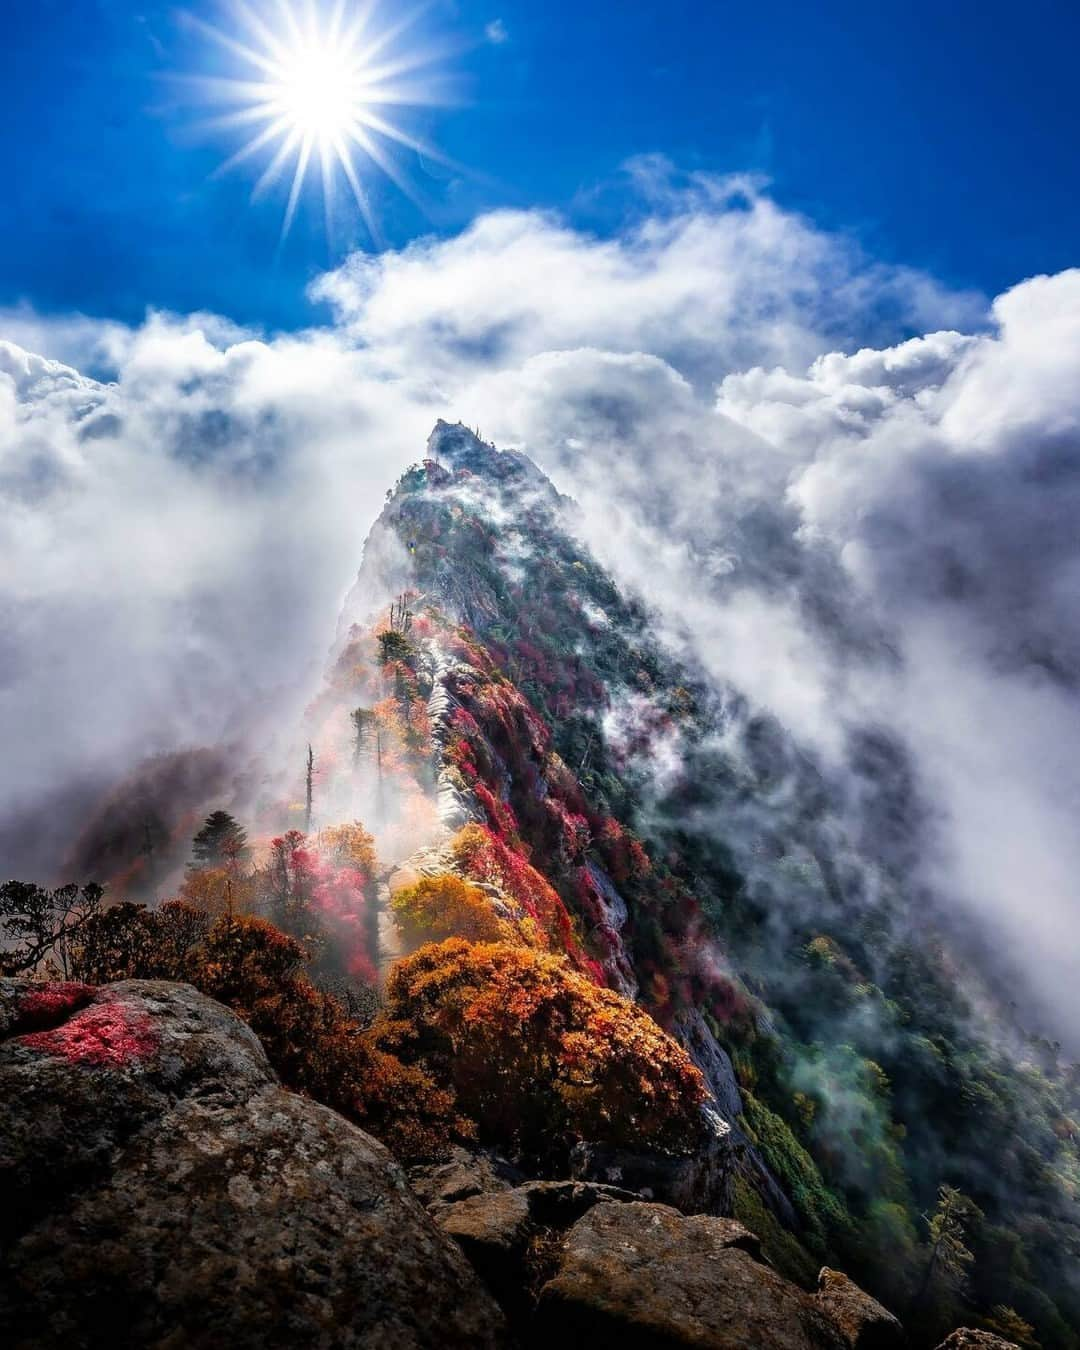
(455, 807)
(861, 1320)
(617, 964)
(641, 1275)
(169, 1193)
(692, 1031)
(698, 1183)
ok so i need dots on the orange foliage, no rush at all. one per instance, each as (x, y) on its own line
(445, 906)
(219, 890)
(255, 969)
(479, 852)
(537, 1055)
(348, 844)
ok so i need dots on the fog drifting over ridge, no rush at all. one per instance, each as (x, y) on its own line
(851, 523)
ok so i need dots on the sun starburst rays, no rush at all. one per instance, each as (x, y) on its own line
(315, 86)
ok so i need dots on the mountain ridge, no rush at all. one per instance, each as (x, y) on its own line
(504, 754)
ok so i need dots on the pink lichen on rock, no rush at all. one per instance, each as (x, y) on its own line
(47, 1004)
(105, 1034)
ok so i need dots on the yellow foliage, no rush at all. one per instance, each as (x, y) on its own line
(219, 890)
(445, 906)
(537, 1055)
(349, 845)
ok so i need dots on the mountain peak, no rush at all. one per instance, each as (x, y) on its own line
(459, 448)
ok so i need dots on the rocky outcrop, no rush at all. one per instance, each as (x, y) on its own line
(692, 1031)
(698, 1183)
(162, 1189)
(455, 806)
(583, 1264)
(615, 914)
(694, 1034)
(504, 1232)
(640, 1275)
(967, 1338)
(465, 1173)
(862, 1321)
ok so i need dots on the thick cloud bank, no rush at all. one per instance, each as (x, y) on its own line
(885, 536)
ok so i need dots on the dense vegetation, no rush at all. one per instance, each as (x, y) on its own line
(476, 1039)
(874, 1070)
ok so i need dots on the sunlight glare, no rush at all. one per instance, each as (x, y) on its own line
(317, 87)
(321, 90)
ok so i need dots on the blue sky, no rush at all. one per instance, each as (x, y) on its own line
(943, 136)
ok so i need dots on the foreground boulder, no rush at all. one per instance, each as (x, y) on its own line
(641, 1275)
(578, 1263)
(165, 1191)
(507, 1234)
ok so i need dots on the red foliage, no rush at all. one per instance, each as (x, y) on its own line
(623, 855)
(574, 833)
(333, 890)
(47, 1004)
(486, 857)
(499, 813)
(106, 1033)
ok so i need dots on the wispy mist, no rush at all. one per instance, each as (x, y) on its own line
(851, 491)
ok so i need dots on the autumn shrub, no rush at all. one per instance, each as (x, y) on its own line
(538, 1056)
(219, 890)
(445, 906)
(316, 1048)
(348, 845)
(128, 941)
(480, 853)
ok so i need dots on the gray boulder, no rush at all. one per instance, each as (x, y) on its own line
(506, 1234)
(169, 1193)
(644, 1277)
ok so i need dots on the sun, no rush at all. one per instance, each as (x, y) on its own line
(316, 85)
(321, 90)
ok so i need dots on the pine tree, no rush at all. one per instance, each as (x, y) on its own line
(949, 1255)
(221, 842)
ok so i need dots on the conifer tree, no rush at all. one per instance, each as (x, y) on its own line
(221, 841)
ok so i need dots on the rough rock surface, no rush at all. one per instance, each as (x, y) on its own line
(968, 1338)
(167, 1192)
(697, 1183)
(861, 1320)
(501, 1230)
(643, 1276)
(692, 1032)
(465, 1173)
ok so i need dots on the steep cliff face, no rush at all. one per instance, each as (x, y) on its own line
(521, 646)
(500, 711)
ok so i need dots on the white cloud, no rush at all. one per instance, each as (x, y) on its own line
(496, 32)
(887, 534)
